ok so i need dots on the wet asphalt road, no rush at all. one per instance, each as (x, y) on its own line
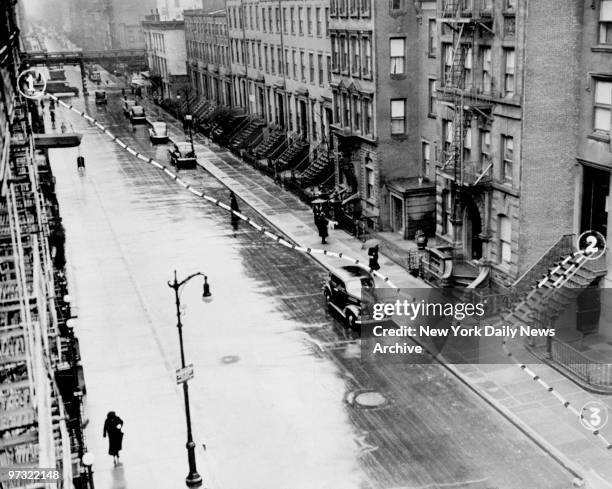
(274, 372)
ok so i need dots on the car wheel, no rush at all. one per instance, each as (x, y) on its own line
(350, 320)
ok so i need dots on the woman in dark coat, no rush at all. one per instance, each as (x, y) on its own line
(373, 254)
(112, 427)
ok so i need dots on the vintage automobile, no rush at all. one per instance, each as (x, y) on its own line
(183, 155)
(137, 115)
(342, 292)
(158, 132)
(101, 98)
(127, 106)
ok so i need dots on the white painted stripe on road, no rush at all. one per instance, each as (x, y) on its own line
(277, 238)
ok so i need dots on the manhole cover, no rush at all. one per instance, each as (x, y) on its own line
(366, 399)
(230, 359)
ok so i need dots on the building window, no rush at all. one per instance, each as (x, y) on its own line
(319, 24)
(266, 59)
(337, 108)
(366, 7)
(333, 8)
(277, 18)
(485, 56)
(432, 38)
(311, 67)
(344, 64)
(303, 66)
(603, 105)
(605, 22)
(256, 18)
(467, 67)
(426, 158)
(301, 20)
(505, 240)
(264, 23)
(447, 51)
(346, 105)
(447, 138)
(356, 56)
(309, 20)
(367, 57)
(485, 149)
(395, 5)
(397, 52)
(285, 22)
(507, 158)
(367, 122)
(511, 4)
(342, 7)
(398, 116)
(292, 15)
(294, 59)
(329, 69)
(431, 97)
(335, 52)
(467, 146)
(272, 60)
(320, 66)
(369, 194)
(356, 114)
(509, 72)
(287, 72)
(354, 11)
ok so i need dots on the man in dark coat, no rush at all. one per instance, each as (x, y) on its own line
(321, 223)
(112, 427)
(235, 220)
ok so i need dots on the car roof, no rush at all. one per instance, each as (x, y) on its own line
(98, 92)
(349, 272)
(159, 123)
(183, 144)
(137, 107)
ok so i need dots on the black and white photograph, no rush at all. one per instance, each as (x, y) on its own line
(305, 244)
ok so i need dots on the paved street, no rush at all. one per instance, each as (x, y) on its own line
(276, 378)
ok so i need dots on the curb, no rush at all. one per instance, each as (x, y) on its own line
(574, 469)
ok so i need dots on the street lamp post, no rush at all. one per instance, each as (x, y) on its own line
(193, 479)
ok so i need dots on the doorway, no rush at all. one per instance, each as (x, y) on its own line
(397, 214)
(472, 228)
(303, 120)
(595, 192)
(262, 102)
(280, 110)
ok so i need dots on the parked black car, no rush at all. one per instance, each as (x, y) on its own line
(342, 292)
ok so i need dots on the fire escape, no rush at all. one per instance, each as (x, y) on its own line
(465, 101)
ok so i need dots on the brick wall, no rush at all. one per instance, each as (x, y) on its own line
(550, 124)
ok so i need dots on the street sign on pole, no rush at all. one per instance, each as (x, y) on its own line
(184, 374)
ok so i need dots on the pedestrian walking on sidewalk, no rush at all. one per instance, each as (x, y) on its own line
(63, 128)
(234, 206)
(321, 223)
(123, 92)
(113, 428)
(373, 254)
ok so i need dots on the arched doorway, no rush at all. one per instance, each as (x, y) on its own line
(472, 228)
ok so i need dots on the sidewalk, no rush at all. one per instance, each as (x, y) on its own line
(532, 408)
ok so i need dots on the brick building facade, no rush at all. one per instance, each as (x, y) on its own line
(166, 53)
(280, 57)
(375, 82)
(208, 54)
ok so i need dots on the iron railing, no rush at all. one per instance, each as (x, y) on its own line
(596, 374)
